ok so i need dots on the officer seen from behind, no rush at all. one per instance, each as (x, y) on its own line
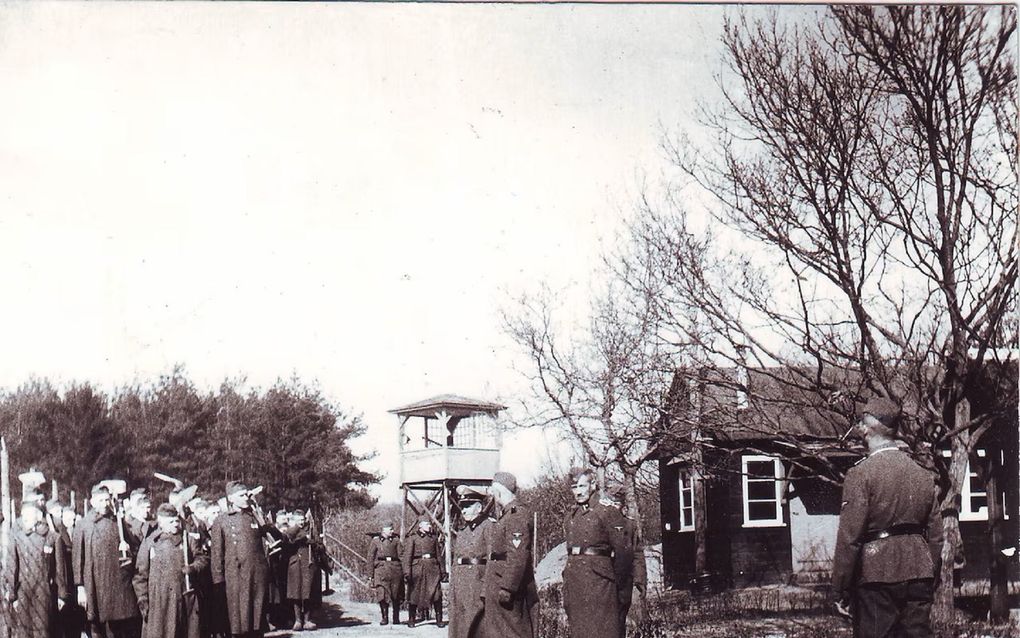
(887, 553)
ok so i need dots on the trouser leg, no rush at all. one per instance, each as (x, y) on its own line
(412, 615)
(875, 611)
(384, 609)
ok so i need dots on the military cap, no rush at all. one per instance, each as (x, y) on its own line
(386, 524)
(166, 509)
(507, 480)
(884, 410)
(139, 494)
(53, 504)
(617, 492)
(99, 488)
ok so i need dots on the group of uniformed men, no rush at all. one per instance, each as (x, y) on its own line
(492, 584)
(197, 570)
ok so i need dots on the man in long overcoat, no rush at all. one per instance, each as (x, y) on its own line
(510, 592)
(590, 591)
(69, 615)
(302, 571)
(103, 579)
(31, 575)
(423, 573)
(160, 583)
(887, 552)
(383, 562)
(470, 554)
(239, 563)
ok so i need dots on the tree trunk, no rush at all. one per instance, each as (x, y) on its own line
(998, 593)
(700, 508)
(943, 613)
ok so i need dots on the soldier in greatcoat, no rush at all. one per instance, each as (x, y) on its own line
(303, 575)
(630, 563)
(590, 590)
(31, 571)
(279, 610)
(423, 573)
(510, 592)
(102, 577)
(383, 562)
(888, 547)
(69, 616)
(163, 581)
(239, 563)
(471, 551)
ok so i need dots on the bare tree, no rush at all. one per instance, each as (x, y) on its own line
(602, 384)
(865, 218)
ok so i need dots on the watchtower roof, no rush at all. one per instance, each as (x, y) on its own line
(452, 404)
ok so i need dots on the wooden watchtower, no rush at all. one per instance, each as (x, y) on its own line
(444, 442)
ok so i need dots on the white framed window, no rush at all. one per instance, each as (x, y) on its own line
(686, 485)
(973, 497)
(762, 486)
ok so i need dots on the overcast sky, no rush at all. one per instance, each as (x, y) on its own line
(344, 192)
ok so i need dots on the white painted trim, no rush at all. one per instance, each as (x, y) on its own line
(680, 485)
(778, 476)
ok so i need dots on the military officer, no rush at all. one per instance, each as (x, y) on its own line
(103, 579)
(160, 580)
(629, 565)
(470, 554)
(888, 546)
(509, 584)
(422, 573)
(239, 563)
(387, 577)
(596, 557)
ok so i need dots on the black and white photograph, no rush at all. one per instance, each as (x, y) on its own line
(509, 320)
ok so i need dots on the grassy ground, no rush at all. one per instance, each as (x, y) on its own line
(773, 612)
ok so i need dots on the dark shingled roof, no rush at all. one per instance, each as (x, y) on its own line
(452, 404)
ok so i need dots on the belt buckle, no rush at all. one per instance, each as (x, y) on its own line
(883, 534)
(575, 551)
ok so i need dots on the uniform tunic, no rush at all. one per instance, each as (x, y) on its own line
(384, 564)
(422, 572)
(31, 579)
(96, 566)
(302, 569)
(239, 563)
(159, 587)
(471, 546)
(590, 591)
(885, 490)
(510, 569)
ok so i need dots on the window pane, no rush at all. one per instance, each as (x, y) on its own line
(761, 511)
(761, 469)
(761, 490)
(977, 502)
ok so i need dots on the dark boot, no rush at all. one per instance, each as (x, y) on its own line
(396, 613)
(385, 609)
(299, 617)
(437, 607)
(412, 615)
(306, 615)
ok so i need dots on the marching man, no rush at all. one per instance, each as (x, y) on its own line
(161, 580)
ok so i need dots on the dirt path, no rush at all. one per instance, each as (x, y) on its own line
(340, 616)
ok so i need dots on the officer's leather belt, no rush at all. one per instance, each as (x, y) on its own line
(589, 551)
(425, 556)
(390, 559)
(896, 530)
(497, 556)
(481, 560)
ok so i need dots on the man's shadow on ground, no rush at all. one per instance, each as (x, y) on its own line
(329, 616)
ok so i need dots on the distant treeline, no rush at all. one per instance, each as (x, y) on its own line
(288, 438)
